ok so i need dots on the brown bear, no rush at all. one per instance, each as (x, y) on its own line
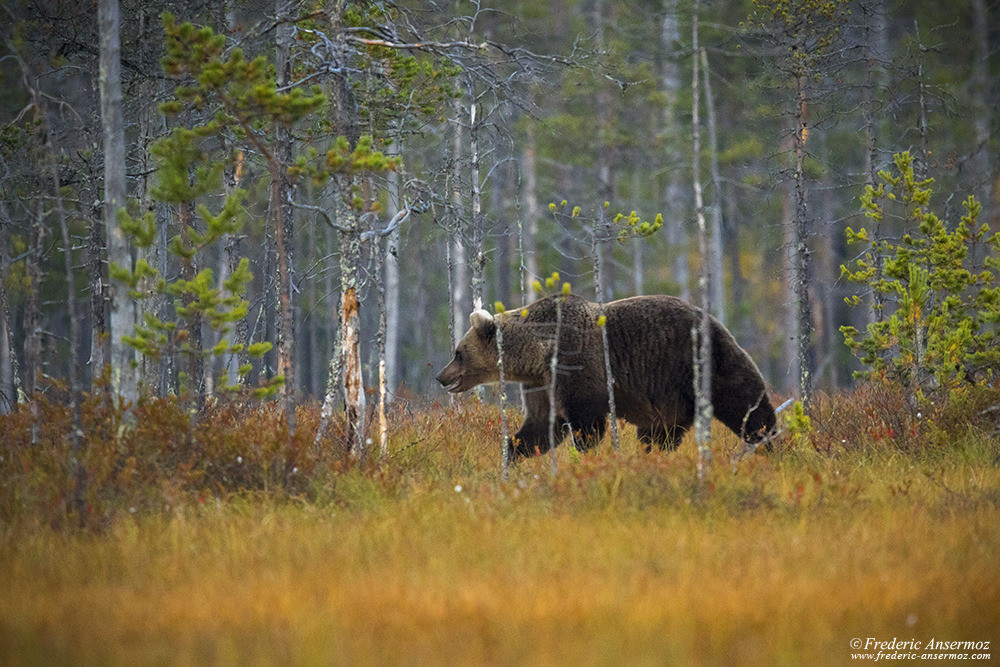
(650, 345)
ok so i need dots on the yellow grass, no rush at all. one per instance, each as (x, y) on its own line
(618, 560)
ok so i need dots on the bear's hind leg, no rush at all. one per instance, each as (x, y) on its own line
(589, 436)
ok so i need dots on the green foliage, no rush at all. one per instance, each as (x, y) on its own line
(942, 330)
(806, 29)
(799, 425)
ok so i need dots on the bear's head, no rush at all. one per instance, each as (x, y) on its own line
(475, 360)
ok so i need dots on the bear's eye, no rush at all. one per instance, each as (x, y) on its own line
(458, 355)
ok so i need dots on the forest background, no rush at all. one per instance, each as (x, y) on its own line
(385, 167)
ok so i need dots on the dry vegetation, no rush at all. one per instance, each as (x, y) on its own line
(217, 542)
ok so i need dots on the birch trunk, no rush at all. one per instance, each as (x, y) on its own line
(458, 264)
(803, 309)
(604, 230)
(673, 196)
(717, 283)
(478, 230)
(392, 287)
(123, 379)
(281, 208)
(529, 225)
(701, 339)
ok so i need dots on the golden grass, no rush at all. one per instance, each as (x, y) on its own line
(619, 559)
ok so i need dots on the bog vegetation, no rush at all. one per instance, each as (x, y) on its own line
(237, 239)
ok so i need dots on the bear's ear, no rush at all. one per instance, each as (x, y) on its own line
(482, 322)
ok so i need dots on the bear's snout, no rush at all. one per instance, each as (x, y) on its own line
(449, 377)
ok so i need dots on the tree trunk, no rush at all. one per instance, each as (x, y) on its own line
(10, 375)
(984, 88)
(123, 378)
(701, 338)
(457, 265)
(604, 230)
(478, 229)
(605, 148)
(717, 283)
(392, 286)
(673, 197)
(803, 309)
(529, 226)
(32, 304)
(873, 21)
(72, 375)
(350, 337)
(281, 208)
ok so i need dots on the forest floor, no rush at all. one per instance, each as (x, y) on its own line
(795, 557)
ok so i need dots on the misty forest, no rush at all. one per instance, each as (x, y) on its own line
(239, 239)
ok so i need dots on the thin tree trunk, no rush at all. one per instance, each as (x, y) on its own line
(194, 364)
(920, 168)
(478, 230)
(32, 307)
(458, 264)
(10, 376)
(605, 186)
(504, 448)
(281, 208)
(983, 89)
(383, 426)
(553, 379)
(123, 378)
(803, 307)
(72, 375)
(717, 283)
(529, 231)
(33, 318)
(392, 286)
(673, 197)
(871, 156)
(604, 230)
(701, 338)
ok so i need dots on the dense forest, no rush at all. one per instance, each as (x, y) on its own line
(307, 198)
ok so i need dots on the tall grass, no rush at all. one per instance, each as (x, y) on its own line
(427, 557)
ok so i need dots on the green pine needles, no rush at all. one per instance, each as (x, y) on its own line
(942, 331)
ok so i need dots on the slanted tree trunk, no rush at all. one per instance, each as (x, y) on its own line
(123, 378)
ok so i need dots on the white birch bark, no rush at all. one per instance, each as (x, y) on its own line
(701, 338)
(113, 125)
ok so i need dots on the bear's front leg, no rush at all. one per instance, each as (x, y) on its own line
(533, 438)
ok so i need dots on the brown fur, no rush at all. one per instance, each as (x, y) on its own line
(649, 338)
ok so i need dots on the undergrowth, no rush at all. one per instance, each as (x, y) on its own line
(156, 457)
